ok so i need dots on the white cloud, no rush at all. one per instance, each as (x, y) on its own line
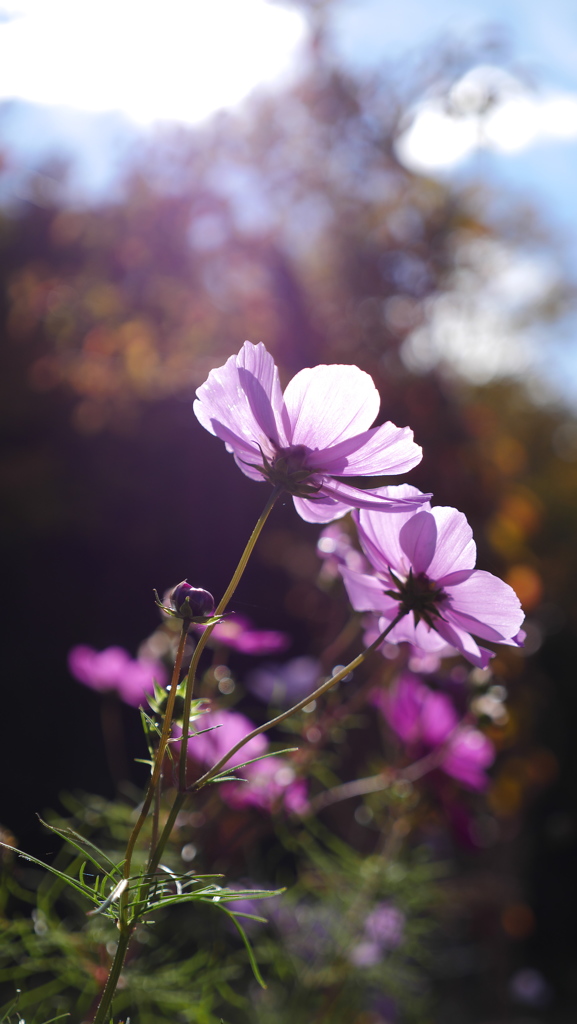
(490, 109)
(175, 60)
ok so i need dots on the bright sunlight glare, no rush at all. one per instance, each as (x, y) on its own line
(175, 60)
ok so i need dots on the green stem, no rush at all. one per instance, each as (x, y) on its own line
(154, 859)
(204, 779)
(102, 1013)
(157, 767)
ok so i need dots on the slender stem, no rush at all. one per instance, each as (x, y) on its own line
(102, 1013)
(202, 781)
(157, 766)
(154, 859)
(206, 634)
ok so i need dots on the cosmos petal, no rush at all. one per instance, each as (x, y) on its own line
(327, 404)
(381, 451)
(241, 402)
(490, 606)
(418, 539)
(456, 548)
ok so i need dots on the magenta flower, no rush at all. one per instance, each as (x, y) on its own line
(236, 632)
(422, 662)
(427, 721)
(226, 729)
(267, 784)
(424, 566)
(304, 441)
(113, 670)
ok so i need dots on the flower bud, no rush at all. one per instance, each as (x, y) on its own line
(192, 602)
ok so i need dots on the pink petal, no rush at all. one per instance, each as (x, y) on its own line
(418, 539)
(438, 719)
(469, 754)
(487, 606)
(323, 509)
(385, 450)
(326, 404)
(402, 707)
(377, 500)
(459, 638)
(455, 545)
(379, 534)
(101, 670)
(366, 593)
(241, 402)
(232, 726)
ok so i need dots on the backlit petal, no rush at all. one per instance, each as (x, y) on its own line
(366, 593)
(418, 539)
(379, 534)
(241, 402)
(456, 548)
(326, 404)
(490, 606)
(381, 451)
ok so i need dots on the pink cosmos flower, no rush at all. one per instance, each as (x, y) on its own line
(422, 662)
(226, 729)
(318, 431)
(265, 782)
(237, 633)
(426, 720)
(424, 566)
(114, 670)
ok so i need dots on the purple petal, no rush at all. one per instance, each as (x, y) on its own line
(487, 606)
(378, 500)
(266, 783)
(418, 539)
(459, 638)
(321, 509)
(402, 706)
(327, 404)
(455, 545)
(137, 680)
(438, 719)
(469, 754)
(366, 593)
(101, 670)
(241, 402)
(385, 450)
(379, 534)
(209, 747)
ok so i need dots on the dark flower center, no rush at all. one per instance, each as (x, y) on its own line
(418, 594)
(288, 469)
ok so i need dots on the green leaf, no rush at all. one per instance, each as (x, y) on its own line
(258, 976)
(72, 882)
(74, 839)
(226, 777)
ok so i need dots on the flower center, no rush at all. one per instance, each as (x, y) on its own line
(418, 594)
(288, 469)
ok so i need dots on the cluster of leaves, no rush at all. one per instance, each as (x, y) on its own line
(182, 964)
